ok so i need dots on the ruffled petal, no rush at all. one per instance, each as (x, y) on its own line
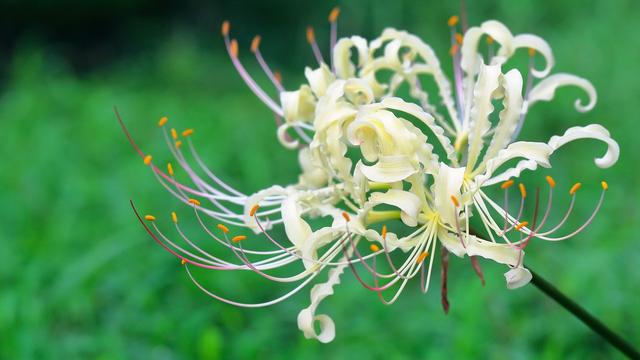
(593, 131)
(319, 79)
(299, 105)
(408, 203)
(546, 90)
(534, 153)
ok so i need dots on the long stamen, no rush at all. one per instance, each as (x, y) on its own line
(311, 39)
(255, 48)
(456, 42)
(333, 20)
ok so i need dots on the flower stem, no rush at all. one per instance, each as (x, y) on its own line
(578, 311)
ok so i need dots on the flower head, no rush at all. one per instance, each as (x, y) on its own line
(370, 159)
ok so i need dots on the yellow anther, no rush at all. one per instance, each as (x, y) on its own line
(455, 201)
(422, 256)
(333, 15)
(163, 120)
(178, 144)
(521, 225)
(523, 190)
(384, 231)
(458, 38)
(489, 40)
(254, 209)
(311, 36)
(194, 202)
(255, 43)
(374, 248)
(225, 28)
(184, 261)
(507, 184)
(551, 182)
(346, 216)
(604, 184)
(174, 217)
(454, 49)
(575, 188)
(233, 48)
(223, 228)
(238, 238)
(532, 52)
(150, 218)
(174, 134)
(147, 159)
(170, 169)
(453, 21)
(187, 132)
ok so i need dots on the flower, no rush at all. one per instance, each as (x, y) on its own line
(415, 168)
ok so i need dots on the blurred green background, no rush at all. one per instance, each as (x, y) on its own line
(79, 277)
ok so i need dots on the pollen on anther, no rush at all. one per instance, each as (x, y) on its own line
(521, 225)
(174, 134)
(184, 262)
(311, 37)
(384, 231)
(422, 256)
(453, 21)
(551, 182)
(178, 144)
(163, 120)
(225, 28)
(458, 38)
(455, 201)
(346, 216)
(187, 132)
(150, 218)
(532, 52)
(194, 202)
(454, 49)
(490, 40)
(255, 43)
(254, 209)
(333, 15)
(575, 188)
(223, 228)
(147, 159)
(374, 248)
(604, 184)
(174, 217)
(238, 238)
(507, 184)
(170, 169)
(523, 190)
(278, 76)
(233, 48)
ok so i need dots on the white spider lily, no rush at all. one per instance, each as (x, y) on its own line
(398, 175)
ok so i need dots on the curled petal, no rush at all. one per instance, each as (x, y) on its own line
(531, 41)
(534, 153)
(307, 317)
(287, 142)
(319, 79)
(407, 202)
(342, 55)
(517, 277)
(297, 229)
(255, 199)
(389, 169)
(299, 105)
(546, 89)
(314, 175)
(593, 131)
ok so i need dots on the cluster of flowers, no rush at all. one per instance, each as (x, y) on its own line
(347, 111)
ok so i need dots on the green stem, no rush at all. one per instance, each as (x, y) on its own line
(578, 311)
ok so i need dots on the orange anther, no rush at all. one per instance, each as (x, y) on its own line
(223, 228)
(311, 37)
(453, 21)
(521, 225)
(238, 238)
(174, 217)
(604, 184)
(178, 144)
(507, 184)
(184, 262)
(150, 218)
(489, 40)
(187, 132)
(174, 134)
(458, 38)
(254, 209)
(384, 231)
(523, 190)
(170, 169)
(194, 202)
(346, 216)
(255, 43)
(225, 28)
(422, 256)
(551, 182)
(333, 15)
(278, 77)
(454, 200)
(454, 49)
(374, 248)
(532, 52)
(163, 120)
(147, 159)
(233, 48)
(575, 188)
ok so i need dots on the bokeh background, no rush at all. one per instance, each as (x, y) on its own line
(79, 277)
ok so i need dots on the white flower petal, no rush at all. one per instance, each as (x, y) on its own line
(498, 252)
(537, 43)
(342, 56)
(517, 277)
(546, 90)
(314, 175)
(298, 105)
(319, 79)
(534, 153)
(298, 231)
(451, 242)
(407, 202)
(256, 198)
(446, 184)
(593, 131)
(389, 169)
